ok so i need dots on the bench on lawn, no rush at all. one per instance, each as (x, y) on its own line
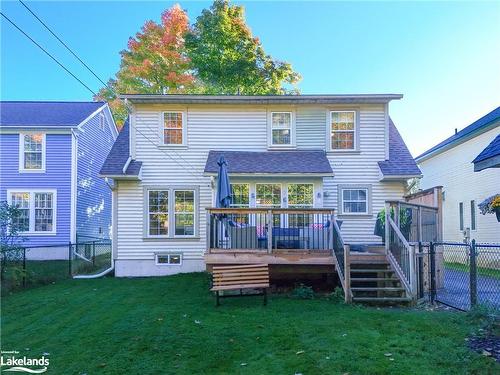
(250, 276)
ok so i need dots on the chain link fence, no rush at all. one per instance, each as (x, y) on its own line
(462, 275)
(25, 267)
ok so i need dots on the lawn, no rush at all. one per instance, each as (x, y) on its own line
(483, 271)
(170, 325)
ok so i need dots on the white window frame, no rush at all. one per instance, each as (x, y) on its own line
(168, 255)
(32, 192)
(169, 229)
(270, 129)
(184, 128)
(281, 205)
(174, 212)
(241, 205)
(171, 212)
(340, 199)
(299, 205)
(22, 153)
(354, 131)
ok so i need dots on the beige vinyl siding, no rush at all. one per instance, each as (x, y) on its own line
(453, 169)
(241, 128)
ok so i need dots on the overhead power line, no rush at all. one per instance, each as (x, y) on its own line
(87, 87)
(47, 53)
(62, 42)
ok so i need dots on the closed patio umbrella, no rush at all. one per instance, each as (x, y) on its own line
(224, 195)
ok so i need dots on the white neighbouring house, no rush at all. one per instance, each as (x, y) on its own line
(450, 164)
(310, 151)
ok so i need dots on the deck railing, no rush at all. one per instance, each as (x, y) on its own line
(269, 230)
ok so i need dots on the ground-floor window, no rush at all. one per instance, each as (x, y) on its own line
(171, 208)
(241, 199)
(168, 259)
(269, 196)
(300, 196)
(37, 210)
(354, 200)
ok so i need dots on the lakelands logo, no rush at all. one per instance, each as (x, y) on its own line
(14, 363)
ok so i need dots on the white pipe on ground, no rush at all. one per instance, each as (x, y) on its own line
(101, 274)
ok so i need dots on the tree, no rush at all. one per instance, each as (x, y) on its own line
(229, 60)
(155, 62)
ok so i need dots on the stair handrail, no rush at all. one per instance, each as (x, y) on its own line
(406, 280)
(338, 248)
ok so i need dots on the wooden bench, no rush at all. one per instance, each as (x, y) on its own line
(250, 276)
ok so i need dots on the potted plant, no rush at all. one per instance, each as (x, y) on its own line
(491, 205)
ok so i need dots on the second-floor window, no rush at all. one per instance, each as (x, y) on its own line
(281, 128)
(173, 128)
(32, 152)
(343, 130)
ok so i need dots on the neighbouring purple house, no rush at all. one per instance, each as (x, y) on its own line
(50, 157)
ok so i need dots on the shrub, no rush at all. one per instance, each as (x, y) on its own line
(337, 296)
(303, 292)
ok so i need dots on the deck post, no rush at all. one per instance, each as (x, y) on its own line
(347, 273)
(387, 231)
(208, 232)
(269, 231)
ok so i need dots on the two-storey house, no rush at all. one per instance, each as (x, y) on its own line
(51, 154)
(292, 160)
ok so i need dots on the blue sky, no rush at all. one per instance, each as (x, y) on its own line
(443, 56)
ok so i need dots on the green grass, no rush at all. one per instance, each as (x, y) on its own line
(170, 325)
(490, 272)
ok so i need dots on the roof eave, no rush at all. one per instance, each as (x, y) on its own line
(427, 155)
(283, 174)
(260, 99)
(493, 162)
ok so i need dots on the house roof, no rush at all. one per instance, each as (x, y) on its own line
(45, 114)
(489, 157)
(400, 162)
(260, 99)
(463, 135)
(270, 162)
(118, 157)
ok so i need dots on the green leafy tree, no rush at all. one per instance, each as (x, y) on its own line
(229, 60)
(155, 62)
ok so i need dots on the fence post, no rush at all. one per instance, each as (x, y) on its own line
(93, 253)
(347, 273)
(70, 255)
(24, 267)
(413, 272)
(473, 274)
(420, 270)
(432, 267)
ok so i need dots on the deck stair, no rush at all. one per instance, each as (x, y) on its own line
(372, 281)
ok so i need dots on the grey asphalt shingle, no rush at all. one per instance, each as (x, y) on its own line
(45, 114)
(118, 156)
(400, 162)
(492, 150)
(270, 162)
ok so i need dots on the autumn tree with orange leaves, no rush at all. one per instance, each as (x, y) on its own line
(155, 62)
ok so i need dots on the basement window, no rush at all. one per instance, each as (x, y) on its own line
(168, 259)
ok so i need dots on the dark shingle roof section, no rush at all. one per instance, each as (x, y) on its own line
(492, 150)
(400, 162)
(118, 156)
(45, 114)
(466, 132)
(271, 162)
